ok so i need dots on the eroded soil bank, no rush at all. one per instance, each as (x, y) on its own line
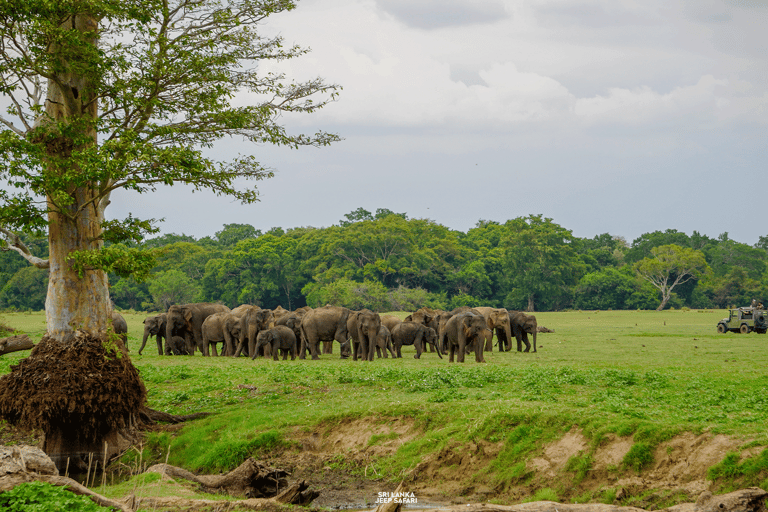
(338, 460)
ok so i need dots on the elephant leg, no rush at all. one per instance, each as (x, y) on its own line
(190, 343)
(314, 346)
(527, 343)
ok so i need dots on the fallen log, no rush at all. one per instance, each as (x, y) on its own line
(251, 479)
(15, 343)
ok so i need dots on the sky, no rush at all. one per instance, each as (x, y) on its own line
(608, 116)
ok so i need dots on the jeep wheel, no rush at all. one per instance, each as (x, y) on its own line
(744, 329)
(721, 328)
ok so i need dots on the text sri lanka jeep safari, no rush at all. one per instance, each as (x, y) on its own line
(744, 320)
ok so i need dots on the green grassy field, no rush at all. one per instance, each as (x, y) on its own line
(651, 374)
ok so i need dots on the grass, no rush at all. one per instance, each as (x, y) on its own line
(643, 373)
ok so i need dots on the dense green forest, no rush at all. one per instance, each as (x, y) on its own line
(386, 261)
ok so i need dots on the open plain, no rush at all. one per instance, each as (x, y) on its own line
(638, 408)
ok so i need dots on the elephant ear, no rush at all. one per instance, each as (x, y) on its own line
(187, 314)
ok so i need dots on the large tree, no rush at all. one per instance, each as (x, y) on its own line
(107, 95)
(541, 262)
(671, 266)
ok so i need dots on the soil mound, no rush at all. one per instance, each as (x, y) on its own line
(79, 394)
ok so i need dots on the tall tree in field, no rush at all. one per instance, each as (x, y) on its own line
(670, 266)
(541, 261)
(108, 95)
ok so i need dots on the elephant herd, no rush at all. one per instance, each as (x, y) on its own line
(250, 330)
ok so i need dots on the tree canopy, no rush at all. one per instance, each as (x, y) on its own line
(670, 266)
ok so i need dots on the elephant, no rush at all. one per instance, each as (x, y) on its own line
(464, 331)
(497, 319)
(186, 320)
(390, 321)
(327, 323)
(292, 320)
(442, 320)
(120, 327)
(522, 325)
(279, 311)
(427, 317)
(384, 342)
(176, 346)
(155, 326)
(252, 322)
(221, 328)
(279, 339)
(416, 334)
(363, 328)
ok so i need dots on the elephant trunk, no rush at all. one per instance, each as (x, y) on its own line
(144, 340)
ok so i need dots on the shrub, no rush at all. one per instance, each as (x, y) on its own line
(43, 497)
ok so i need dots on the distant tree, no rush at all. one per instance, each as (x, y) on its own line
(541, 262)
(350, 294)
(356, 216)
(172, 287)
(642, 246)
(167, 239)
(386, 212)
(670, 266)
(612, 288)
(233, 233)
(25, 290)
(725, 253)
(129, 294)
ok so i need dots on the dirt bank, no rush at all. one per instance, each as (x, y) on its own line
(338, 460)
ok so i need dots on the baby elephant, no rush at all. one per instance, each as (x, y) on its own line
(280, 338)
(412, 333)
(176, 346)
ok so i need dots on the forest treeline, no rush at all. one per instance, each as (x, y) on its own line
(386, 261)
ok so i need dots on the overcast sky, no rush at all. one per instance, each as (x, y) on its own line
(617, 116)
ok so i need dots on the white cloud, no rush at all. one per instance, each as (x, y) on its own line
(692, 105)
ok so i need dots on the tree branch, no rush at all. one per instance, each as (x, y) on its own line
(14, 243)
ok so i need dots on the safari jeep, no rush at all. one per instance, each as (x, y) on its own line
(744, 320)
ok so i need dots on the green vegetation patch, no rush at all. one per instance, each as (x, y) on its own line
(732, 473)
(44, 497)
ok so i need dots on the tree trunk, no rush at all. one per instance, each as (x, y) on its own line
(530, 308)
(665, 296)
(74, 301)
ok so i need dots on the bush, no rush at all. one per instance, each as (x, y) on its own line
(42, 497)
